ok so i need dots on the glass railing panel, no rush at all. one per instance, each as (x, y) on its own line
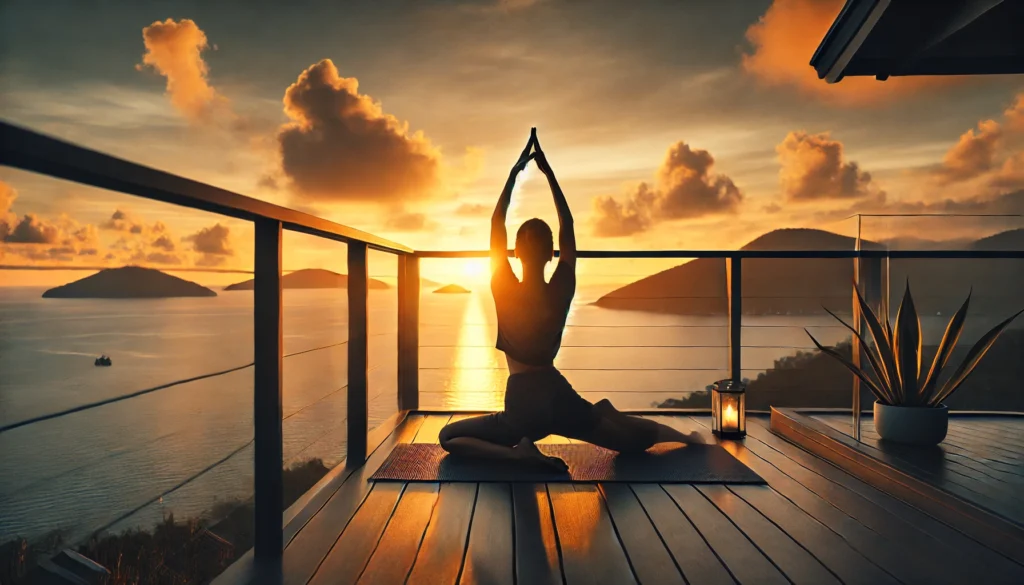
(637, 342)
(784, 300)
(382, 331)
(171, 453)
(315, 380)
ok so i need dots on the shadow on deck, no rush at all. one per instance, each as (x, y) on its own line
(812, 523)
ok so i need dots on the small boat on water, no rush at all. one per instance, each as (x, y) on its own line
(103, 360)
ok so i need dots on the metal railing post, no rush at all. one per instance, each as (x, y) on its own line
(267, 410)
(854, 341)
(408, 332)
(358, 407)
(734, 273)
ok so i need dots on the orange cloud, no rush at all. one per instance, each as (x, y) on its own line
(973, 154)
(341, 146)
(686, 188)
(1011, 173)
(7, 218)
(473, 209)
(1015, 114)
(785, 38)
(813, 168)
(214, 244)
(174, 50)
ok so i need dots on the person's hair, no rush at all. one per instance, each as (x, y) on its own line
(534, 242)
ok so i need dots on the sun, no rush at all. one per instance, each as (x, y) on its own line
(476, 269)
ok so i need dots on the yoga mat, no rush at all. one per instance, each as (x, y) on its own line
(587, 463)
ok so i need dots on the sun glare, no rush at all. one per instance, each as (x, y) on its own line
(476, 269)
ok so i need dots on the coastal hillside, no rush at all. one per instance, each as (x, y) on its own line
(450, 289)
(310, 278)
(129, 282)
(801, 286)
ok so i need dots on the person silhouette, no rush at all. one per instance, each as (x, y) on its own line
(531, 313)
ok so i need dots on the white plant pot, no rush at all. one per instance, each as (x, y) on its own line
(913, 425)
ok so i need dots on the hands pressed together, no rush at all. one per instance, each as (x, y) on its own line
(537, 155)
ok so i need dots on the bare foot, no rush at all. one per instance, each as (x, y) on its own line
(530, 454)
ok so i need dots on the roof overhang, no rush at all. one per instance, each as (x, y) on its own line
(887, 38)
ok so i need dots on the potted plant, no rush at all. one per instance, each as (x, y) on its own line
(909, 404)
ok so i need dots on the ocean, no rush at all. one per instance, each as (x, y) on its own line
(185, 448)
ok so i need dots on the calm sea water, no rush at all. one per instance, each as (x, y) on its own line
(183, 448)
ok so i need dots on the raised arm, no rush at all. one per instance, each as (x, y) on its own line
(499, 236)
(566, 231)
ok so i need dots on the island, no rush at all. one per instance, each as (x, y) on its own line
(311, 278)
(129, 282)
(452, 289)
(803, 286)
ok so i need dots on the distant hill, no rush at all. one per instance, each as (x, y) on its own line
(310, 278)
(1008, 240)
(452, 289)
(801, 286)
(129, 282)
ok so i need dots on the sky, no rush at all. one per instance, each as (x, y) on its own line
(696, 125)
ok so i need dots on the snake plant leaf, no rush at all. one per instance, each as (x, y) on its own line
(883, 382)
(849, 365)
(949, 339)
(971, 361)
(907, 347)
(883, 344)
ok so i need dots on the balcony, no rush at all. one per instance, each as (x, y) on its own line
(837, 505)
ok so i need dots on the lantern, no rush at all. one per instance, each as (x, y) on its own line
(728, 409)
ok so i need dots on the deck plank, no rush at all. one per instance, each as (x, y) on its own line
(651, 561)
(950, 475)
(798, 565)
(692, 554)
(431, 427)
(537, 559)
(490, 554)
(961, 548)
(396, 551)
(880, 550)
(309, 547)
(828, 547)
(744, 560)
(911, 539)
(591, 551)
(350, 553)
(439, 560)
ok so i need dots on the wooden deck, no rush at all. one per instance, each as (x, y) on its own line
(813, 523)
(981, 460)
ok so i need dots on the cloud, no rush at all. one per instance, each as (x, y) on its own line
(685, 189)
(7, 218)
(32, 230)
(473, 209)
(174, 49)
(341, 146)
(772, 208)
(813, 168)
(1011, 173)
(785, 37)
(214, 243)
(405, 221)
(1015, 114)
(973, 154)
(612, 219)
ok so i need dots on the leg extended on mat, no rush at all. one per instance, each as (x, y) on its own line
(631, 434)
(491, 437)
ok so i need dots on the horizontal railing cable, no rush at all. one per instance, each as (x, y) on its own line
(138, 393)
(176, 487)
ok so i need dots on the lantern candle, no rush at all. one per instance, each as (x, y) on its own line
(730, 418)
(728, 404)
